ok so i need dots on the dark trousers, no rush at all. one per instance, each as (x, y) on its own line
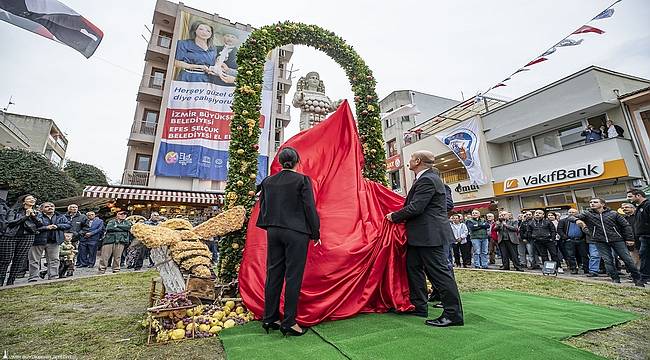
(87, 253)
(463, 254)
(13, 250)
(286, 255)
(545, 247)
(577, 254)
(432, 261)
(561, 252)
(64, 267)
(509, 253)
(644, 257)
(618, 247)
(493, 246)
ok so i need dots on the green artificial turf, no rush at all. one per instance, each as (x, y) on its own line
(498, 325)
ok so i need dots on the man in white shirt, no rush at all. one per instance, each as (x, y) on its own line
(461, 247)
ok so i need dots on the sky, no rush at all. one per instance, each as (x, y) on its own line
(453, 49)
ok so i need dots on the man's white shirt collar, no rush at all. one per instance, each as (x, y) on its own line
(417, 176)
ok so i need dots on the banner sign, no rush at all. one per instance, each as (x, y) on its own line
(196, 131)
(463, 140)
(393, 163)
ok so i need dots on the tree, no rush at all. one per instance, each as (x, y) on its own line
(27, 172)
(85, 174)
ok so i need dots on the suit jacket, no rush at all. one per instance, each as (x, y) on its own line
(508, 230)
(96, 230)
(287, 201)
(425, 212)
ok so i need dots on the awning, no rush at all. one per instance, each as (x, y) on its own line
(118, 192)
(83, 202)
(467, 207)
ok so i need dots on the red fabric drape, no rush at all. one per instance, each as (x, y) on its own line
(360, 266)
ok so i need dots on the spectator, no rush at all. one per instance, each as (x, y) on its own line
(610, 232)
(542, 232)
(22, 225)
(627, 210)
(79, 223)
(67, 254)
(553, 218)
(613, 130)
(154, 220)
(529, 243)
(4, 211)
(461, 247)
(493, 238)
(478, 232)
(642, 229)
(574, 243)
(88, 243)
(48, 239)
(591, 134)
(117, 236)
(508, 238)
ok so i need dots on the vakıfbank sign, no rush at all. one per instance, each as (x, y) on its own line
(555, 176)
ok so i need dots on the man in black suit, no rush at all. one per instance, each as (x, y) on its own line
(428, 233)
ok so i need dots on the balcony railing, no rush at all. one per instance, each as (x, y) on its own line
(135, 177)
(284, 109)
(144, 127)
(162, 41)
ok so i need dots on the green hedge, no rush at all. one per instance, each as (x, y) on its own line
(27, 172)
(85, 174)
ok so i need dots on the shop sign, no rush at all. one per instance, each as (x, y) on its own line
(464, 189)
(564, 174)
(393, 163)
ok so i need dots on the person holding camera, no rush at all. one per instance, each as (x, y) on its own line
(508, 238)
(591, 134)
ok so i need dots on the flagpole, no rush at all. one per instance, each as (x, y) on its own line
(500, 83)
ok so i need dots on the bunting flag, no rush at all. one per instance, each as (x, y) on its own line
(604, 15)
(536, 61)
(584, 29)
(568, 42)
(587, 29)
(53, 20)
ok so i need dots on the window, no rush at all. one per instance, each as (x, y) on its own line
(533, 202)
(55, 158)
(61, 142)
(562, 198)
(547, 143)
(165, 39)
(611, 192)
(392, 148)
(142, 162)
(389, 122)
(150, 117)
(157, 78)
(406, 119)
(570, 136)
(597, 121)
(394, 180)
(582, 198)
(523, 149)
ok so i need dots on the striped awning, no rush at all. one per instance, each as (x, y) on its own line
(118, 192)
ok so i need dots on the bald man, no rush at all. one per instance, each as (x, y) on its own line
(428, 234)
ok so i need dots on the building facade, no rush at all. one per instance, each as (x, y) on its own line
(153, 96)
(40, 135)
(540, 157)
(393, 128)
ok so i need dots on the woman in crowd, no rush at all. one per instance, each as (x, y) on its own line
(18, 238)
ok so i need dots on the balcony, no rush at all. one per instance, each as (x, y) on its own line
(284, 76)
(605, 150)
(142, 132)
(135, 177)
(283, 113)
(158, 48)
(151, 88)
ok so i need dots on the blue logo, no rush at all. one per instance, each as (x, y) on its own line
(463, 143)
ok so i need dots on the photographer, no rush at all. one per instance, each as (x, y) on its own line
(508, 237)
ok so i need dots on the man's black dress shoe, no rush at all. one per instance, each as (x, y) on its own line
(443, 322)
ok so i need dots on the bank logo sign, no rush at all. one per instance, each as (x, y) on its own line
(564, 174)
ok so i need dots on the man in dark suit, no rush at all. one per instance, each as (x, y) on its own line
(428, 234)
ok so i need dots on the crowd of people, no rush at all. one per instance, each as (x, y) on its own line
(595, 241)
(38, 242)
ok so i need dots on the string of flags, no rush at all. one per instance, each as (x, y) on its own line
(568, 40)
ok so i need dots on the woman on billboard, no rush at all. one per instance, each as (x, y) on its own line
(195, 56)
